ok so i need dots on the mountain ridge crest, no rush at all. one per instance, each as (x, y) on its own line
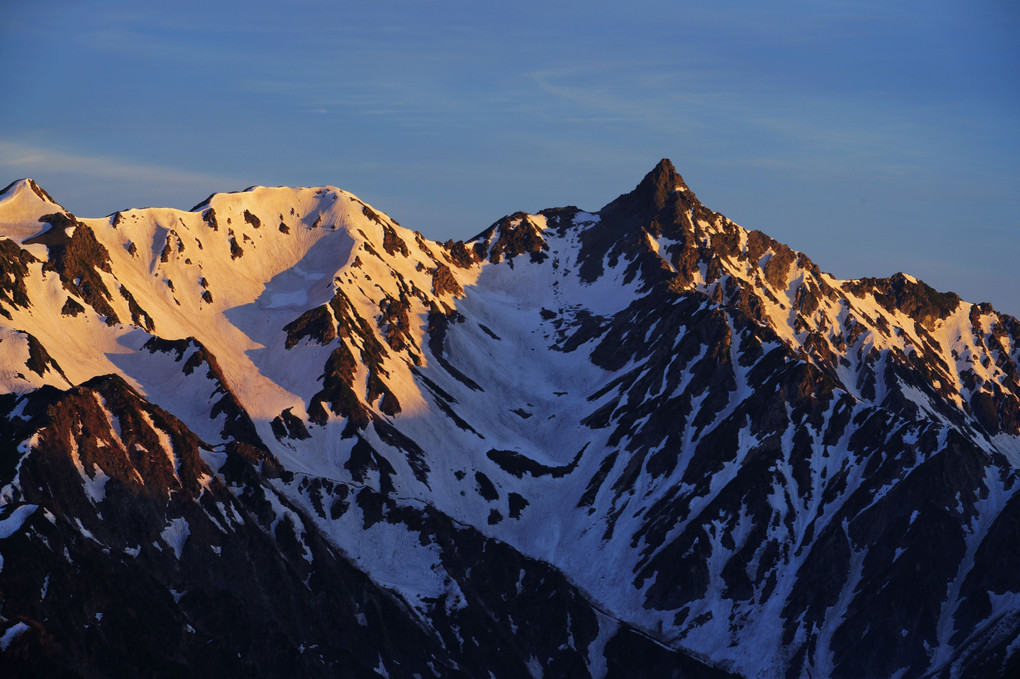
(632, 441)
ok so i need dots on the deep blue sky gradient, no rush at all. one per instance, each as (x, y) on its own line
(875, 136)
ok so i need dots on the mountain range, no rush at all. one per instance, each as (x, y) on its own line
(281, 434)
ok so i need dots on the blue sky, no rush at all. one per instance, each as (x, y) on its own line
(874, 136)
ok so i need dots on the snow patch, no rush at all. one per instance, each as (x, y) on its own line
(12, 633)
(176, 534)
(13, 522)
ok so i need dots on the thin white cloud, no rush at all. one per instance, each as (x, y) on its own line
(28, 160)
(97, 185)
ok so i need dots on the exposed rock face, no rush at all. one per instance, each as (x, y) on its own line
(638, 442)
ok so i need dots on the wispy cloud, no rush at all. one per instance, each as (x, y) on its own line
(84, 180)
(28, 160)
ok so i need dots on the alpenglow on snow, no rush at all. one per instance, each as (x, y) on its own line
(280, 434)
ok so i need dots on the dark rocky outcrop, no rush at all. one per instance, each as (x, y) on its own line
(78, 259)
(14, 262)
(509, 237)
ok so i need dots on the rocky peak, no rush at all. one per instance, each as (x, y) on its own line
(661, 204)
(661, 187)
(22, 204)
(511, 236)
(16, 187)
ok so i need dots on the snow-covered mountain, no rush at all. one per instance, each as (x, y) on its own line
(282, 433)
